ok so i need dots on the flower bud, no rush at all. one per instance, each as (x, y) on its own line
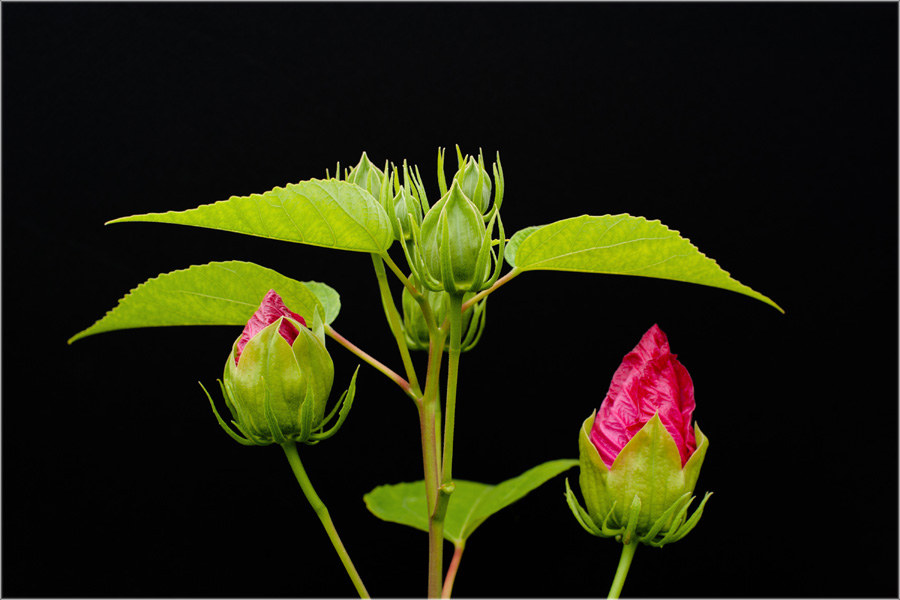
(278, 376)
(453, 233)
(640, 457)
(406, 208)
(468, 180)
(414, 321)
(367, 176)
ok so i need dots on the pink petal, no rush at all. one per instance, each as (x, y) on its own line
(270, 310)
(649, 381)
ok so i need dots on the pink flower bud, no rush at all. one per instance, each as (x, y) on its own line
(270, 310)
(649, 381)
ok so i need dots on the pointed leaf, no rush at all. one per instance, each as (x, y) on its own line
(470, 504)
(218, 293)
(329, 213)
(620, 245)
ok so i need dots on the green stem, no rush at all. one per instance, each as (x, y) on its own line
(290, 450)
(430, 426)
(451, 571)
(405, 385)
(622, 570)
(393, 318)
(452, 377)
(403, 278)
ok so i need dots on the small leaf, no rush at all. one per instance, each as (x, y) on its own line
(512, 246)
(218, 293)
(470, 504)
(330, 213)
(620, 245)
(328, 296)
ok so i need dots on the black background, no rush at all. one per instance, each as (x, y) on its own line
(766, 133)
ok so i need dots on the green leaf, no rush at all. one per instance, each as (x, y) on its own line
(621, 245)
(512, 246)
(219, 293)
(329, 298)
(329, 213)
(470, 504)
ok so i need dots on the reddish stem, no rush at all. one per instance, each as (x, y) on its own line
(451, 572)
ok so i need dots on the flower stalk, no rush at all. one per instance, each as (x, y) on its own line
(290, 450)
(393, 318)
(622, 570)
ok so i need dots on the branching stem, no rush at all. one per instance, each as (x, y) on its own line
(451, 571)
(407, 389)
(483, 294)
(393, 318)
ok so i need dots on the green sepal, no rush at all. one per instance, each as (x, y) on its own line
(483, 262)
(238, 412)
(679, 505)
(442, 177)
(417, 261)
(272, 422)
(498, 188)
(634, 513)
(498, 260)
(346, 403)
(420, 189)
(446, 259)
(687, 526)
(476, 326)
(479, 199)
(241, 440)
(581, 515)
(307, 408)
(318, 325)
(387, 201)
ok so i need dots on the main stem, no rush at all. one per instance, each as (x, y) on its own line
(452, 377)
(430, 426)
(290, 450)
(439, 499)
(622, 570)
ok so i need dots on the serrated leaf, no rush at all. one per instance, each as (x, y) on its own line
(330, 213)
(218, 293)
(470, 504)
(622, 245)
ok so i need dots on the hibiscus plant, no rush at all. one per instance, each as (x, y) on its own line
(640, 454)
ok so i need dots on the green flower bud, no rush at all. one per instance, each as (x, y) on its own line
(452, 238)
(468, 182)
(280, 374)
(406, 208)
(367, 176)
(414, 320)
